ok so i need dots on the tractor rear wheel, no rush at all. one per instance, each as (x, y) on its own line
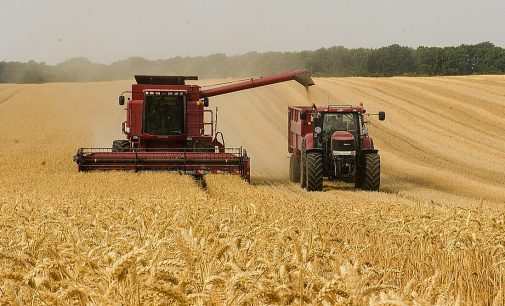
(294, 168)
(314, 172)
(120, 146)
(371, 178)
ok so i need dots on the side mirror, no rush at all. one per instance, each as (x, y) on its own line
(121, 100)
(303, 116)
(382, 116)
(206, 102)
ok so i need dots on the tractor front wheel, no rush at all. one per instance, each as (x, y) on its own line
(120, 146)
(314, 172)
(371, 174)
(294, 168)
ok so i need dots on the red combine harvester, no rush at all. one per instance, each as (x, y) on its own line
(332, 142)
(168, 128)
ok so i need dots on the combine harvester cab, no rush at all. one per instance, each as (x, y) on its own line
(168, 127)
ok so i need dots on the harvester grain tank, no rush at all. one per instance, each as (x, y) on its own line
(332, 142)
(168, 127)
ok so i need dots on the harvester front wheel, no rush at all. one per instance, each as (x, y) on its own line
(314, 172)
(371, 173)
(294, 168)
(120, 146)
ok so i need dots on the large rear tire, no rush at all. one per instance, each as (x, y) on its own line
(294, 168)
(314, 172)
(120, 146)
(371, 173)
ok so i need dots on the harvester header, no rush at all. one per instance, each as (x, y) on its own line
(168, 127)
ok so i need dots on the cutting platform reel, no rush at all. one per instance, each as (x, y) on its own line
(184, 160)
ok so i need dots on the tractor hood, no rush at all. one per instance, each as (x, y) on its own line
(341, 136)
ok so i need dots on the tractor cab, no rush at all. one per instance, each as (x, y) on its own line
(337, 127)
(338, 124)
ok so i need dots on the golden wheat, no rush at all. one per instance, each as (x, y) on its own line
(158, 238)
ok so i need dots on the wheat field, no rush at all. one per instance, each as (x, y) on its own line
(434, 235)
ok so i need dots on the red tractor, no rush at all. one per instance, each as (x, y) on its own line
(332, 142)
(168, 127)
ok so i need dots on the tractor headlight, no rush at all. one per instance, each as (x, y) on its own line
(344, 153)
(317, 130)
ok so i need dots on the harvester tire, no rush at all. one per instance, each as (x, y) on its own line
(294, 168)
(120, 146)
(371, 173)
(314, 172)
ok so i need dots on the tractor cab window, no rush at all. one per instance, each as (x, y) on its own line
(164, 114)
(339, 122)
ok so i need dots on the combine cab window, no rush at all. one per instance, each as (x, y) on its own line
(164, 114)
(340, 122)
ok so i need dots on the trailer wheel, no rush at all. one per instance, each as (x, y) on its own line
(120, 146)
(314, 172)
(303, 170)
(371, 173)
(294, 168)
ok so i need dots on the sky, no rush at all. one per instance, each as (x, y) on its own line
(104, 31)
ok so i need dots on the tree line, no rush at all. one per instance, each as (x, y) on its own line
(394, 60)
